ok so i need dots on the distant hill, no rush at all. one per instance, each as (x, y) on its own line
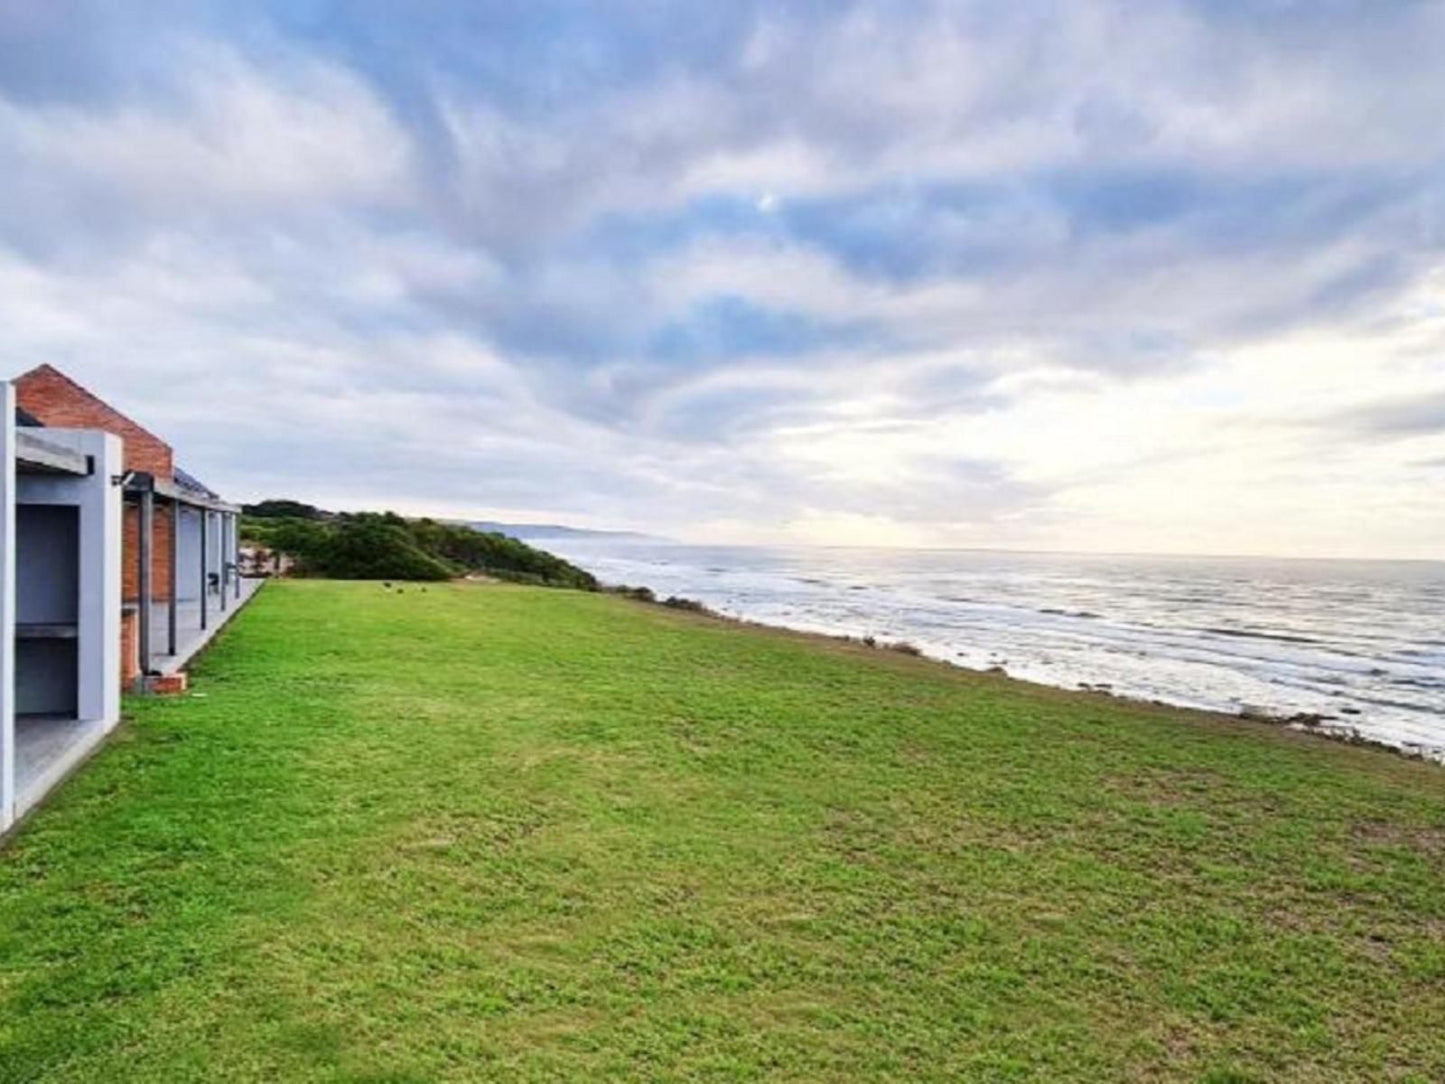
(290, 509)
(534, 531)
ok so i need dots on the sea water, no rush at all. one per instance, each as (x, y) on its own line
(1361, 643)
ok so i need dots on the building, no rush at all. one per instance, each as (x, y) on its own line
(116, 567)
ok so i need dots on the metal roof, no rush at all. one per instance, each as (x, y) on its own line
(186, 480)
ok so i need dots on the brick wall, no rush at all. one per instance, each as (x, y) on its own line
(56, 400)
(160, 554)
(129, 649)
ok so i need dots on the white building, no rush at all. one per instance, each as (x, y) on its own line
(115, 570)
(60, 586)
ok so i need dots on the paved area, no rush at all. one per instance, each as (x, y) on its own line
(190, 637)
(46, 747)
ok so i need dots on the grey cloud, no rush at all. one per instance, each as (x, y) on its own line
(1414, 416)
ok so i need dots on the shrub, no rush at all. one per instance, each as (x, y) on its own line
(639, 594)
(384, 545)
(371, 550)
(497, 555)
(691, 604)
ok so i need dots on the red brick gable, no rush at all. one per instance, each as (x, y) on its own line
(57, 401)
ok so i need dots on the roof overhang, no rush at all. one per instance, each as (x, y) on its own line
(36, 455)
(138, 482)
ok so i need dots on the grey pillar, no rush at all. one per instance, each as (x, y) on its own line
(175, 577)
(236, 550)
(205, 565)
(7, 605)
(145, 541)
(221, 550)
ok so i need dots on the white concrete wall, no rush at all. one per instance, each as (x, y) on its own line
(7, 605)
(47, 586)
(215, 558)
(98, 619)
(188, 556)
(223, 556)
(233, 557)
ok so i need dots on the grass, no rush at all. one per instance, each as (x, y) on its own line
(492, 832)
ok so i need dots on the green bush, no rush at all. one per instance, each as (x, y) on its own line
(369, 550)
(498, 555)
(386, 546)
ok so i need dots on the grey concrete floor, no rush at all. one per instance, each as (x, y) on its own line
(46, 747)
(190, 637)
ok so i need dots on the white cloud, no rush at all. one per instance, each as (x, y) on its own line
(462, 316)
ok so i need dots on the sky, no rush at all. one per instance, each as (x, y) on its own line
(1097, 275)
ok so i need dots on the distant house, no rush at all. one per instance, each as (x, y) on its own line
(263, 562)
(115, 568)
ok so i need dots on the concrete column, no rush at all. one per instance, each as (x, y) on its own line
(223, 549)
(205, 518)
(145, 552)
(236, 551)
(7, 606)
(102, 528)
(175, 578)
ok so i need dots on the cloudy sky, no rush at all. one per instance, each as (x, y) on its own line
(1099, 275)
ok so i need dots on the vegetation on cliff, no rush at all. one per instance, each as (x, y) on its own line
(386, 546)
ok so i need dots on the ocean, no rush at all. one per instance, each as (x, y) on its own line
(1361, 643)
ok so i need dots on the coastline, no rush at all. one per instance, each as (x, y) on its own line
(1308, 725)
(1353, 650)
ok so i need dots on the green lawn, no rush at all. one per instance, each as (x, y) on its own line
(505, 833)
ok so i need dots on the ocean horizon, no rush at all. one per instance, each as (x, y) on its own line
(1357, 643)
